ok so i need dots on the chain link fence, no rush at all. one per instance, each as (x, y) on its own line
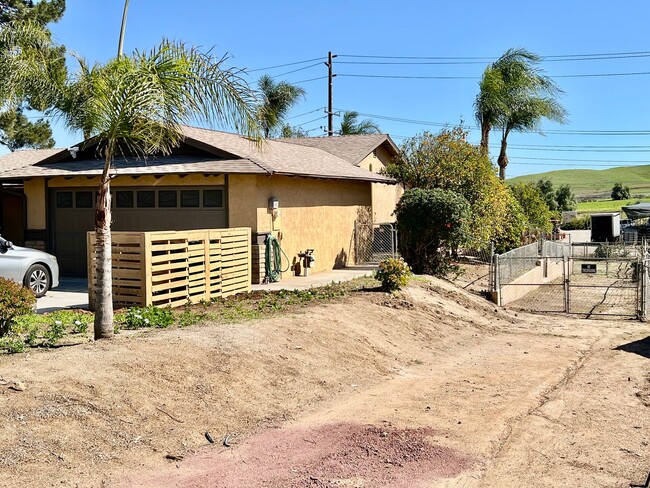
(375, 242)
(582, 278)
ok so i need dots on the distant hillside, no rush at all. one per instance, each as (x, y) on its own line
(596, 183)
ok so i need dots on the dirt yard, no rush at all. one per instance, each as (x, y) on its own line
(433, 388)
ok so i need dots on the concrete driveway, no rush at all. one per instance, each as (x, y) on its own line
(71, 293)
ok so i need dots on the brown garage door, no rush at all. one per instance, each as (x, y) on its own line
(141, 209)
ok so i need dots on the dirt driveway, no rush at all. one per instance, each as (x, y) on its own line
(435, 388)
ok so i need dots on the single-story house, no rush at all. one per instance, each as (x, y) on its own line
(214, 179)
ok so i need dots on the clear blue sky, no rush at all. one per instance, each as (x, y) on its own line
(261, 34)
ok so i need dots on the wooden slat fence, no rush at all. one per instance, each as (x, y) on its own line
(174, 267)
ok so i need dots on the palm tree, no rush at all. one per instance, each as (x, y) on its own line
(351, 126)
(136, 105)
(277, 100)
(515, 95)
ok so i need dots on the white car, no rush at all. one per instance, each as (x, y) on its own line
(37, 270)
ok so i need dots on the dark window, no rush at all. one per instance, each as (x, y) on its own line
(84, 199)
(213, 198)
(124, 199)
(167, 198)
(64, 199)
(189, 198)
(146, 199)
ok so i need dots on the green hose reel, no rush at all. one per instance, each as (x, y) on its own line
(273, 260)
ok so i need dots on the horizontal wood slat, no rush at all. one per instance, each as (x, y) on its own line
(171, 267)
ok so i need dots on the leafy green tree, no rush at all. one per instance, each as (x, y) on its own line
(136, 106)
(42, 12)
(545, 186)
(277, 100)
(19, 133)
(447, 161)
(532, 202)
(290, 131)
(351, 125)
(431, 224)
(620, 192)
(514, 95)
(565, 198)
(30, 63)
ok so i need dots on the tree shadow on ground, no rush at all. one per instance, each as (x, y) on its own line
(640, 347)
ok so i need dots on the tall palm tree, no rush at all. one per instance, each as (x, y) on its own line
(277, 100)
(136, 105)
(350, 125)
(515, 95)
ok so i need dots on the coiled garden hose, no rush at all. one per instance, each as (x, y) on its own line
(273, 260)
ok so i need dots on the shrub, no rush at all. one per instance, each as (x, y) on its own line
(14, 301)
(393, 274)
(581, 223)
(431, 223)
(620, 192)
(151, 316)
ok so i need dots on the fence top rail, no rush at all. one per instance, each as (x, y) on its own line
(176, 232)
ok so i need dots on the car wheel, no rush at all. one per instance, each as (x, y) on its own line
(37, 279)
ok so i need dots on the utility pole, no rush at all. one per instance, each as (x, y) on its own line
(330, 108)
(120, 45)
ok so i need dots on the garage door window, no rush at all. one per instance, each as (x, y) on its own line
(124, 199)
(64, 199)
(146, 199)
(213, 198)
(84, 199)
(190, 198)
(167, 199)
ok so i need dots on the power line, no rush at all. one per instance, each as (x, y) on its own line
(473, 127)
(453, 77)
(306, 113)
(312, 120)
(310, 79)
(296, 70)
(484, 60)
(284, 65)
(557, 57)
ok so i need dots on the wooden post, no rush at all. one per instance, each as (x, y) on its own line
(145, 262)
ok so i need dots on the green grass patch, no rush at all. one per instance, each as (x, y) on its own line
(608, 205)
(596, 183)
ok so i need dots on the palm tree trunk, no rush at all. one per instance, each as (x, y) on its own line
(103, 264)
(485, 136)
(503, 157)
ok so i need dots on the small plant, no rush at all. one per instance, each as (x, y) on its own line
(14, 301)
(393, 274)
(54, 333)
(151, 316)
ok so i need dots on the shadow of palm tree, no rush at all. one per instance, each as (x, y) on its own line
(640, 347)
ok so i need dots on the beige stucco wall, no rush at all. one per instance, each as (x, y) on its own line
(314, 213)
(242, 201)
(384, 197)
(36, 197)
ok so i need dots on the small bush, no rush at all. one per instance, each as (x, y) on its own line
(583, 222)
(393, 274)
(151, 316)
(14, 301)
(431, 224)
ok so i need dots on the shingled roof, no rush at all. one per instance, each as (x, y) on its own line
(270, 157)
(352, 148)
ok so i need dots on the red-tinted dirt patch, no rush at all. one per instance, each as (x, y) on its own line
(327, 456)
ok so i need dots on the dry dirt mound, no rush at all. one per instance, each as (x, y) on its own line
(92, 414)
(326, 456)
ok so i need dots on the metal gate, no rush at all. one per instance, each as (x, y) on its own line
(374, 242)
(588, 279)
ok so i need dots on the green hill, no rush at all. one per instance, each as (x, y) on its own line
(596, 184)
